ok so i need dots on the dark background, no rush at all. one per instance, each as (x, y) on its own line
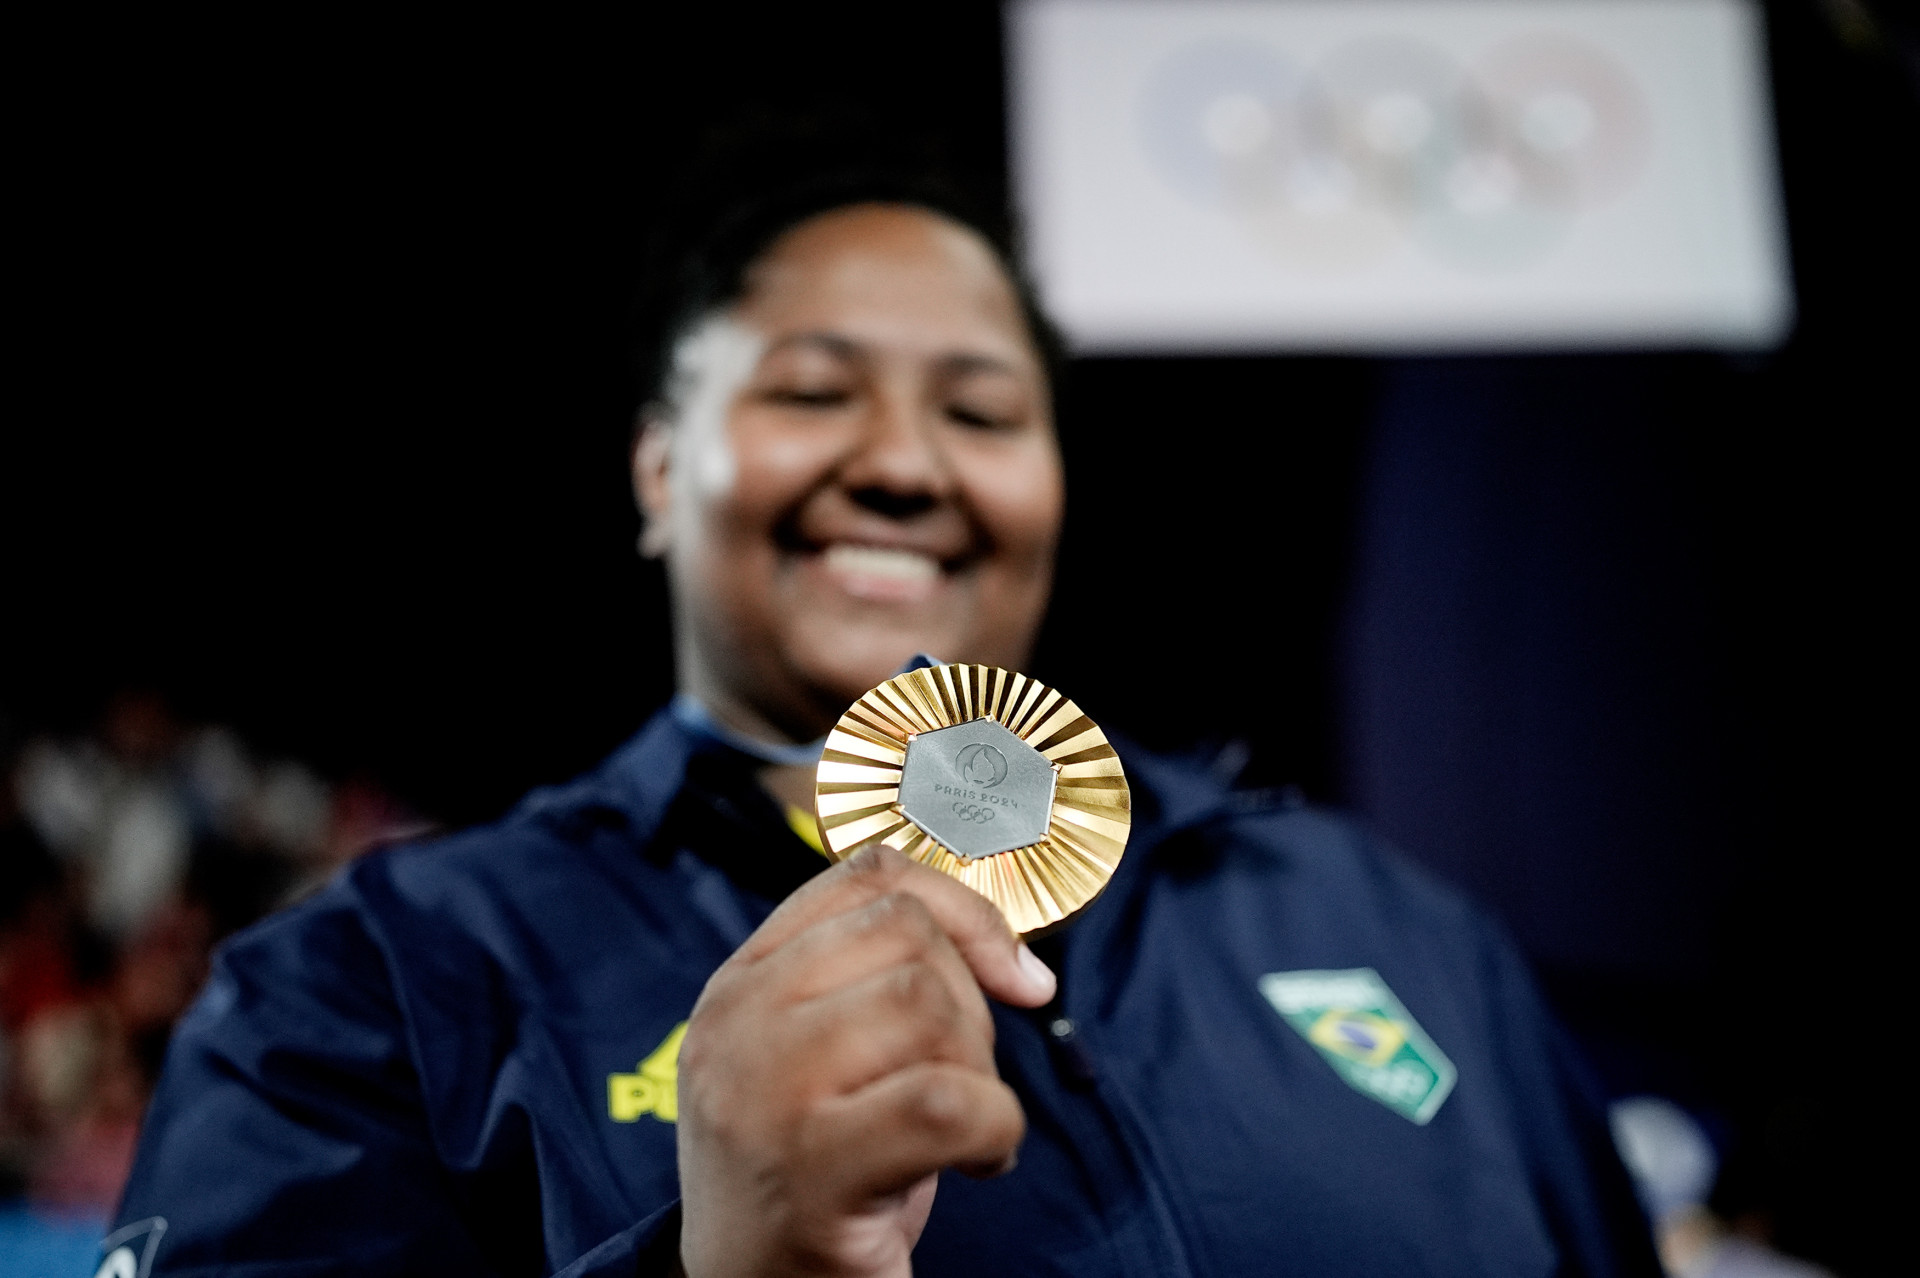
(320, 400)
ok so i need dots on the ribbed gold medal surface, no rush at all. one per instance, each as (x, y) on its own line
(859, 800)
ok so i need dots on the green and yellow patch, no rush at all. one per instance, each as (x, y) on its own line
(1371, 1041)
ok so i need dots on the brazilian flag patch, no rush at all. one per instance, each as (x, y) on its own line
(1372, 1042)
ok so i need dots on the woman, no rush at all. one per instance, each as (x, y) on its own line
(640, 1024)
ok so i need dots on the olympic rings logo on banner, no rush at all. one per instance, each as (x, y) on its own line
(1388, 140)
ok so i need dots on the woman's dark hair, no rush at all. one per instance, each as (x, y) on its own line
(753, 181)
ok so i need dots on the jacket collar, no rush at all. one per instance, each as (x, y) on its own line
(1171, 795)
(638, 781)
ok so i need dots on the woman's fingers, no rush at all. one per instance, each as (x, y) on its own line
(1004, 967)
(890, 930)
(838, 1060)
(912, 1122)
(895, 1018)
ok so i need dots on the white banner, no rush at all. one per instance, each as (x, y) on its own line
(1399, 174)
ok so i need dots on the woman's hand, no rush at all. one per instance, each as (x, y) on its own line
(836, 1063)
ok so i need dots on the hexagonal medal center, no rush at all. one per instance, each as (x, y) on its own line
(977, 788)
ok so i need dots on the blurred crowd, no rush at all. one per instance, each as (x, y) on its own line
(126, 855)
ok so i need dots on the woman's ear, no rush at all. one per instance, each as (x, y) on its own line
(652, 457)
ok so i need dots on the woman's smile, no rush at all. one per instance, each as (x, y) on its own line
(882, 574)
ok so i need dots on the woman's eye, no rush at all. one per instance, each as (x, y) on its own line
(809, 397)
(978, 416)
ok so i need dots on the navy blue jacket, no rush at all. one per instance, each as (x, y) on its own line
(450, 1060)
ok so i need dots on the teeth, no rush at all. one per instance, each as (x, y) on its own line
(873, 561)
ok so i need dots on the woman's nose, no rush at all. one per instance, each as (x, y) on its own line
(899, 467)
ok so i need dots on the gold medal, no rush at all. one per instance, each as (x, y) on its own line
(985, 775)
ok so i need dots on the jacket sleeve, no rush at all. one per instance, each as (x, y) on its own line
(287, 1134)
(1584, 1189)
(650, 1249)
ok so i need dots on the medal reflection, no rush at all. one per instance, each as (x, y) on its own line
(985, 775)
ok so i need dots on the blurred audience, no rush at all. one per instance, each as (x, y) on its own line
(125, 857)
(1675, 1167)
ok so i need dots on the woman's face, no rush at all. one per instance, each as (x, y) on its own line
(860, 465)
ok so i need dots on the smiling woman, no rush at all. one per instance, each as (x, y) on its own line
(853, 462)
(640, 1025)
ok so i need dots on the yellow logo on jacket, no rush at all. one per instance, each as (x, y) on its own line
(652, 1089)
